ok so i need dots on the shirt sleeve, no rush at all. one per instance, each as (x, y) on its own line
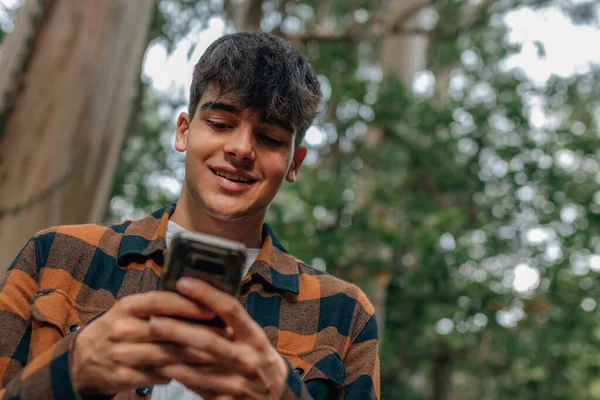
(47, 376)
(295, 389)
(362, 365)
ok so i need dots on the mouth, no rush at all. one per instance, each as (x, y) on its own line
(237, 178)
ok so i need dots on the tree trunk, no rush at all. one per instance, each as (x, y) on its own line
(245, 15)
(404, 55)
(401, 57)
(62, 137)
(441, 375)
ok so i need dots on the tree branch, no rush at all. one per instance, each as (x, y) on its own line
(323, 12)
(376, 28)
(352, 34)
(397, 21)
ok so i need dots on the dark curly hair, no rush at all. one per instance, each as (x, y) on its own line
(266, 73)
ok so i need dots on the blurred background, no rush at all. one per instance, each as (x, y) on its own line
(453, 172)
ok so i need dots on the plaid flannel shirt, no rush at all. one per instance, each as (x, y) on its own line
(66, 276)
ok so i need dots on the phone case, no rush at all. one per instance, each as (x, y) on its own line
(215, 260)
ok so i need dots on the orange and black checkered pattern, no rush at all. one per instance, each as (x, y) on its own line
(66, 276)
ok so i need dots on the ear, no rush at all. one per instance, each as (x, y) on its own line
(299, 156)
(181, 134)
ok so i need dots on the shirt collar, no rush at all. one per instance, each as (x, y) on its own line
(274, 265)
(146, 239)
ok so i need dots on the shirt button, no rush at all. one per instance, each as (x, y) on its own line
(142, 391)
(73, 328)
(299, 371)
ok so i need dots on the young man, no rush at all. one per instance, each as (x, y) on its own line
(293, 333)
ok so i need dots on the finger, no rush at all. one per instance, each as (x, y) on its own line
(160, 302)
(199, 357)
(229, 333)
(217, 396)
(207, 395)
(202, 379)
(196, 336)
(225, 306)
(234, 354)
(192, 323)
(155, 354)
(130, 329)
(133, 329)
(127, 378)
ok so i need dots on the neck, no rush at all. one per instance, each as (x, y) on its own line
(192, 217)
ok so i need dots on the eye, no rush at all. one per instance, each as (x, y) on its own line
(270, 141)
(219, 126)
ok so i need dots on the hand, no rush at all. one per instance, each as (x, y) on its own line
(247, 366)
(118, 352)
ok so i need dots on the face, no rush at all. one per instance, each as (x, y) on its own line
(235, 163)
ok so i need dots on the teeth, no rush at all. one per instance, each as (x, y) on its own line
(236, 178)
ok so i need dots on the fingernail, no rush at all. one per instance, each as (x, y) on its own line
(155, 322)
(229, 334)
(184, 285)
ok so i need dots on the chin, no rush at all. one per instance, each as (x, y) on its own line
(228, 213)
(226, 208)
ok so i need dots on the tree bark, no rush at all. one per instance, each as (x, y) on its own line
(401, 57)
(63, 135)
(245, 15)
(441, 375)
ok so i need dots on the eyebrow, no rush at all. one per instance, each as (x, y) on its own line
(284, 125)
(230, 108)
(214, 105)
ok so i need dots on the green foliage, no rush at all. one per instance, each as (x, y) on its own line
(7, 18)
(489, 178)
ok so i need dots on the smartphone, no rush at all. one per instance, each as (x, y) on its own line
(217, 261)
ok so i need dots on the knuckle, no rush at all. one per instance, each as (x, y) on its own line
(124, 376)
(161, 302)
(163, 332)
(116, 354)
(202, 346)
(184, 376)
(238, 386)
(166, 355)
(120, 330)
(261, 344)
(153, 302)
(249, 363)
(231, 309)
(126, 304)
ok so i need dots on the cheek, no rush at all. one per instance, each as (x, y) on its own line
(201, 146)
(277, 167)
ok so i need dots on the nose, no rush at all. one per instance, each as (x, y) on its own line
(240, 145)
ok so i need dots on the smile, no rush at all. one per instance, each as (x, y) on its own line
(233, 177)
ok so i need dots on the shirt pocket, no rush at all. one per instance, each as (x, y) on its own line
(54, 315)
(321, 369)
